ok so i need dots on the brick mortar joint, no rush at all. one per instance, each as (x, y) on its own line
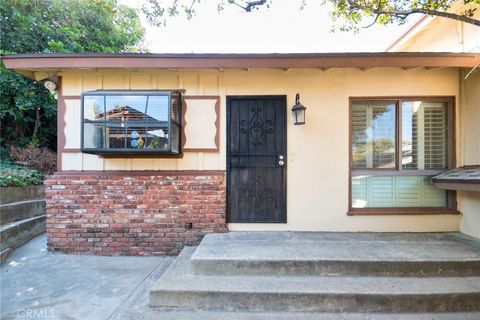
(87, 217)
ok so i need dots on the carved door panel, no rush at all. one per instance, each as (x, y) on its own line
(256, 159)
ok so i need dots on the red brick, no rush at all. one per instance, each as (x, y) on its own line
(132, 215)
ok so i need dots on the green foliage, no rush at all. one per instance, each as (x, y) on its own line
(355, 14)
(349, 14)
(19, 98)
(157, 11)
(54, 26)
(64, 26)
(18, 176)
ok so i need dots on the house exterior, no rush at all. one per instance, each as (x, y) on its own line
(154, 151)
(438, 34)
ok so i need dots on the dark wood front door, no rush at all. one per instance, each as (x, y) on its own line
(256, 158)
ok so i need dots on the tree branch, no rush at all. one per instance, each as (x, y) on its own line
(374, 21)
(404, 14)
(250, 4)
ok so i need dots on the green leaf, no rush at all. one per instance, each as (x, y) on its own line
(57, 26)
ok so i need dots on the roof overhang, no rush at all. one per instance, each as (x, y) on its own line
(29, 63)
(465, 178)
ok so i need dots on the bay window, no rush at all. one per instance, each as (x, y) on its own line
(396, 146)
(131, 122)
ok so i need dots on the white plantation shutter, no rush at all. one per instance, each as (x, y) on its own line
(395, 191)
(359, 192)
(417, 191)
(373, 139)
(359, 138)
(424, 130)
(381, 191)
(408, 192)
(432, 196)
(429, 126)
(435, 136)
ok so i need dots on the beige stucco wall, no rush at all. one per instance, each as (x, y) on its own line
(442, 35)
(317, 159)
(469, 202)
(74, 83)
(447, 35)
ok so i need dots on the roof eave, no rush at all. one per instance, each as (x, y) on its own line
(40, 62)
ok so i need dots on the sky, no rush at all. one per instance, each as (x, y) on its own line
(282, 28)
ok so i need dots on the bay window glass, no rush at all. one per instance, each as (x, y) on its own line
(131, 122)
(397, 145)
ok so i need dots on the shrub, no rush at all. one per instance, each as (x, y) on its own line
(18, 176)
(41, 159)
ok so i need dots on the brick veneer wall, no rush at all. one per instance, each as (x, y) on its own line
(107, 214)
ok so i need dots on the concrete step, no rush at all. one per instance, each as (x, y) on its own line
(4, 254)
(168, 314)
(355, 254)
(20, 232)
(179, 287)
(21, 210)
(17, 194)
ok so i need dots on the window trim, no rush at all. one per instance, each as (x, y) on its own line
(397, 171)
(142, 153)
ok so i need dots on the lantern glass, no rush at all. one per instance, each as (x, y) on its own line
(299, 115)
(298, 111)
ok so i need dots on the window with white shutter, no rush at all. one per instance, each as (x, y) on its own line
(397, 145)
(373, 143)
(424, 135)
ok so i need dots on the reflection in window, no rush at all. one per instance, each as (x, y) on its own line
(373, 135)
(115, 133)
(126, 108)
(175, 138)
(157, 108)
(131, 122)
(424, 135)
(93, 107)
(175, 114)
(422, 130)
(93, 135)
(157, 138)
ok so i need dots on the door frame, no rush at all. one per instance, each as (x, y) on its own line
(228, 127)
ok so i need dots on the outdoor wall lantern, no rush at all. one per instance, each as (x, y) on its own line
(51, 86)
(298, 111)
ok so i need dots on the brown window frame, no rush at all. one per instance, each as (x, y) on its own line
(129, 152)
(397, 171)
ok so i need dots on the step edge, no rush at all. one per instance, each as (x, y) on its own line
(370, 294)
(2, 206)
(16, 224)
(213, 260)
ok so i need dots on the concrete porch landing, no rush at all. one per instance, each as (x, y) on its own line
(295, 272)
(325, 253)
